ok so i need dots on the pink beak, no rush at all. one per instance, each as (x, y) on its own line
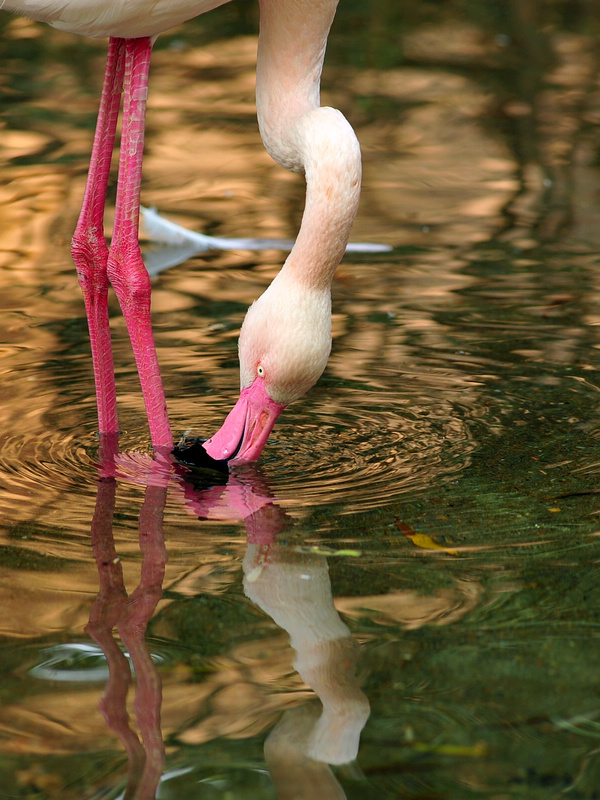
(247, 427)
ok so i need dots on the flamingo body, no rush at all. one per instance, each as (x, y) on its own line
(125, 19)
(286, 336)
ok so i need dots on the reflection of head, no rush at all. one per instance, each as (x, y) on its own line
(293, 774)
(212, 493)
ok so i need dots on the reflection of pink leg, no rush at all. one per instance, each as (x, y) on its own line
(89, 248)
(126, 269)
(107, 609)
(131, 615)
(132, 628)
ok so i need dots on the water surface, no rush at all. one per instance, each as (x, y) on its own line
(413, 563)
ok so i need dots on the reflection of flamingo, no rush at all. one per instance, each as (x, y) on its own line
(291, 586)
(285, 339)
(294, 589)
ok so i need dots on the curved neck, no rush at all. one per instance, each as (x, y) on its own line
(304, 137)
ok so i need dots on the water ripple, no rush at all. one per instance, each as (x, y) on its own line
(60, 461)
(364, 457)
(36, 468)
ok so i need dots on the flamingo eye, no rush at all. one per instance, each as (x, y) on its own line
(260, 370)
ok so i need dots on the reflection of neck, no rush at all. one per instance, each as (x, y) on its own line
(294, 589)
(130, 615)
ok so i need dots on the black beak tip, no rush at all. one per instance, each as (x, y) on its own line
(191, 454)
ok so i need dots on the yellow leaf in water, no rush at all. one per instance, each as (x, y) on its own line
(427, 543)
(421, 539)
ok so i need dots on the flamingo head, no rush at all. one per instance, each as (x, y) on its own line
(283, 347)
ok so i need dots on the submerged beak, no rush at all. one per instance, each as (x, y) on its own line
(247, 427)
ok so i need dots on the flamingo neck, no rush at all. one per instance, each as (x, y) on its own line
(332, 166)
(304, 137)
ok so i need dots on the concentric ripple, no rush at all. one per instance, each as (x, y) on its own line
(47, 484)
(56, 461)
(366, 454)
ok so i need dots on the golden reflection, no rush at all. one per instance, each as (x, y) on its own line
(413, 610)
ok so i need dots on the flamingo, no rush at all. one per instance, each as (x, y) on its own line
(285, 339)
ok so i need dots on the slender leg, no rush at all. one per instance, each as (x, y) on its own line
(126, 270)
(89, 248)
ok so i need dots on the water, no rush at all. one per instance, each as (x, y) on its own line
(414, 560)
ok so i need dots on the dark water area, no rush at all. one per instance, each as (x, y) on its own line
(401, 598)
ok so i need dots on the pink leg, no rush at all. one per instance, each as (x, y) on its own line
(126, 270)
(89, 248)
